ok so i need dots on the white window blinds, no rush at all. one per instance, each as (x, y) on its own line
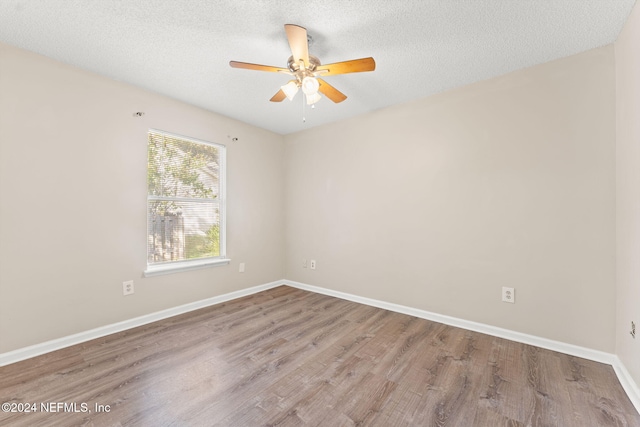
(185, 200)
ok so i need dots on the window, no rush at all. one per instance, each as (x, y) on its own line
(185, 203)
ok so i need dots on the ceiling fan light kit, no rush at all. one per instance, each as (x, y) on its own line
(313, 98)
(310, 85)
(307, 70)
(290, 89)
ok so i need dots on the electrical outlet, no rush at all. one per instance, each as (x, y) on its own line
(312, 264)
(304, 263)
(508, 295)
(241, 267)
(633, 329)
(127, 287)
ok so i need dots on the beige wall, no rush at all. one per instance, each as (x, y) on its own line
(438, 203)
(73, 201)
(627, 52)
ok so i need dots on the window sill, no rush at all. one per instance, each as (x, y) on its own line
(178, 267)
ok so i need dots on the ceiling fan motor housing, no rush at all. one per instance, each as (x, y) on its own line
(299, 70)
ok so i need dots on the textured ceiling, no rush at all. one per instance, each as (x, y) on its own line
(182, 48)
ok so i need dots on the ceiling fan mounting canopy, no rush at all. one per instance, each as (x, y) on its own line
(307, 69)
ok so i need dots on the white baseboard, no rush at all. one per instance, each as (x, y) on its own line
(630, 387)
(627, 382)
(57, 344)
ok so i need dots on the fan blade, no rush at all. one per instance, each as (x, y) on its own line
(344, 67)
(258, 67)
(297, 37)
(278, 97)
(331, 92)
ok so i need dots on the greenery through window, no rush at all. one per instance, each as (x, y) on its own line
(185, 199)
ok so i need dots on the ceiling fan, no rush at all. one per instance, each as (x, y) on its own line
(307, 71)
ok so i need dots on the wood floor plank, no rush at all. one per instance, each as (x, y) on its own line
(287, 357)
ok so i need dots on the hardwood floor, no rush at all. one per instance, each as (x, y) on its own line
(287, 357)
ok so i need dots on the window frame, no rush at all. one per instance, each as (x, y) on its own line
(193, 264)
